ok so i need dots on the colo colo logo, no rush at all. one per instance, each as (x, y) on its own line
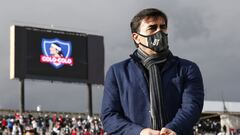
(56, 52)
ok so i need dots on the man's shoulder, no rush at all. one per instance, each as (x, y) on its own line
(185, 62)
(124, 66)
(122, 63)
(186, 66)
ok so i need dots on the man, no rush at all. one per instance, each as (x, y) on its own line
(153, 92)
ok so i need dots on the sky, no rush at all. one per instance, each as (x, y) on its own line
(206, 32)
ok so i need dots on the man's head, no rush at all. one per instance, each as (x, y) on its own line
(149, 24)
(146, 14)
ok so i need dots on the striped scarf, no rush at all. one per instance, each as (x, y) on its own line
(153, 64)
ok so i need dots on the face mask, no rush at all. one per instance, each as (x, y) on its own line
(157, 42)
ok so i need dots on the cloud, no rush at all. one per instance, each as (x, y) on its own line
(207, 34)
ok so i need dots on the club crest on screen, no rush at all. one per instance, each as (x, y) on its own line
(56, 52)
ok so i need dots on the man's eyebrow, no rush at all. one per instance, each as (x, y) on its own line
(162, 26)
(152, 25)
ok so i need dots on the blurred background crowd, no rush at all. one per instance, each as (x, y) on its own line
(50, 124)
(13, 123)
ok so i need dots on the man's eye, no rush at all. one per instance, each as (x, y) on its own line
(153, 28)
(164, 26)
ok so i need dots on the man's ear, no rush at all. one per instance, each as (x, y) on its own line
(135, 38)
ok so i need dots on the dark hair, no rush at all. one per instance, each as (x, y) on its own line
(149, 12)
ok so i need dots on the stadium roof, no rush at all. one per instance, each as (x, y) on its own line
(221, 107)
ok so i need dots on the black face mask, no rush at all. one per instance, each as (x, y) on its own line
(157, 42)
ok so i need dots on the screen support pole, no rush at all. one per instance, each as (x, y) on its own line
(22, 104)
(90, 99)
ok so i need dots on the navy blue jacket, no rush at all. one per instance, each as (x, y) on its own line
(126, 104)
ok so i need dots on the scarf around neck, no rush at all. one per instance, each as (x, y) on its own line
(153, 64)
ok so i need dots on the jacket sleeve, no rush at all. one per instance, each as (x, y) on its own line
(192, 102)
(112, 114)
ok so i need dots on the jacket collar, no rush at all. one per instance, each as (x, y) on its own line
(141, 75)
(171, 60)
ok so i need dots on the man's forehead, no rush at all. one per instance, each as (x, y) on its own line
(153, 20)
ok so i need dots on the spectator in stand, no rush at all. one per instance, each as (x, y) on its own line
(54, 118)
(34, 123)
(67, 130)
(16, 130)
(10, 121)
(74, 131)
(4, 123)
(86, 132)
(30, 131)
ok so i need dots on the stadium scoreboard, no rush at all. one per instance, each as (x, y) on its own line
(49, 54)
